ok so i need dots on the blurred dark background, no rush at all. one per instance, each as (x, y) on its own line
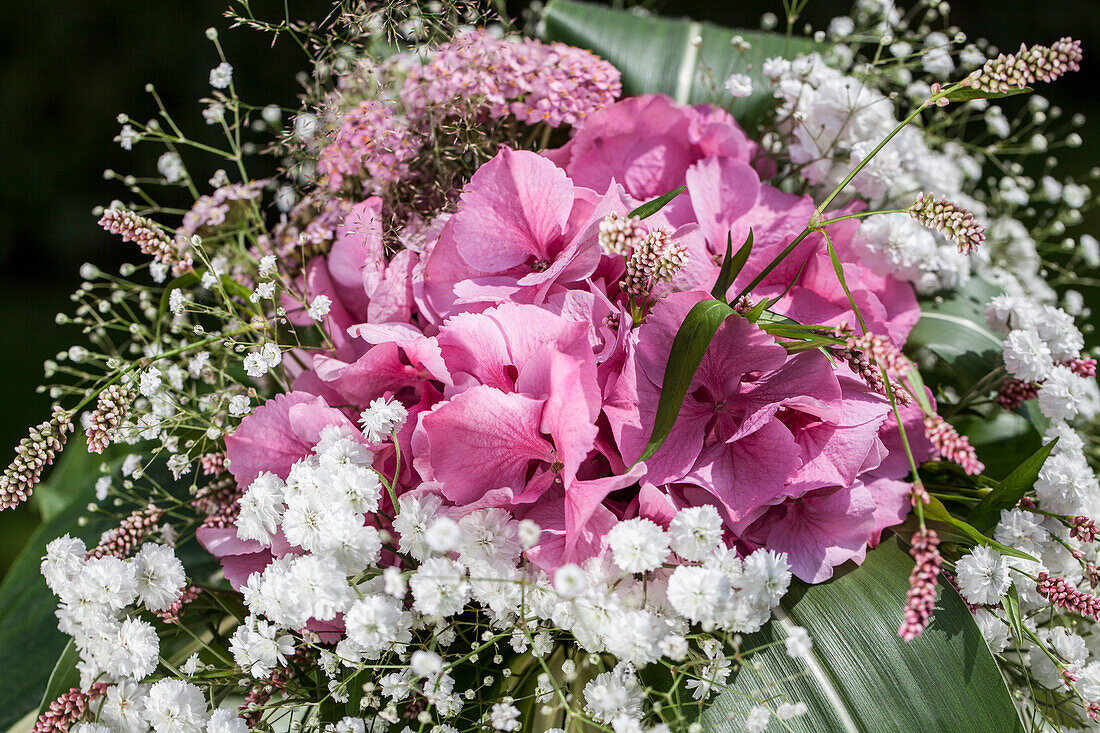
(66, 74)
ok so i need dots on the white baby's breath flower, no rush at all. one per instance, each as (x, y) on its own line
(739, 85)
(695, 532)
(638, 545)
(381, 418)
(319, 308)
(982, 576)
(221, 75)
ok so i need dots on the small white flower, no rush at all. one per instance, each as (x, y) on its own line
(239, 405)
(695, 532)
(171, 167)
(381, 418)
(504, 716)
(255, 366)
(160, 576)
(267, 265)
(261, 508)
(319, 308)
(758, 719)
(150, 381)
(787, 710)
(982, 576)
(425, 664)
(394, 582)
(174, 706)
(529, 533)
(263, 291)
(221, 75)
(193, 665)
(1062, 394)
(739, 85)
(1026, 355)
(127, 137)
(798, 642)
(570, 580)
(176, 302)
(638, 545)
(226, 721)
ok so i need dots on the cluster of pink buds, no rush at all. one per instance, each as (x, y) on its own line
(172, 613)
(952, 446)
(923, 584)
(32, 455)
(1061, 593)
(620, 235)
(124, 539)
(1082, 367)
(656, 259)
(1093, 710)
(213, 464)
(1015, 392)
(110, 411)
(951, 219)
(1026, 66)
(67, 709)
(1082, 528)
(883, 352)
(146, 235)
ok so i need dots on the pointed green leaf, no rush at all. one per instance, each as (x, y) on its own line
(662, 55)
(1007, 494)
(731, 265)
(859, 675)
(967, 94)
(688, 348)
(1011, 604)
(649, 208)
(63, 678)
(936, 511)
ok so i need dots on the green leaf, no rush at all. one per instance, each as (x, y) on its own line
(63, 678)
(688, 348)
(860, 676)
(731, 265)
(1007, 494)
(936, 511)
(953, 330)
(649, 208)
(999, 437)
(967, 94)
(657, 55)
(28, 627)
(1011, 603)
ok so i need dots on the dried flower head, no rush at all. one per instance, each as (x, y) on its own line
(951, 219)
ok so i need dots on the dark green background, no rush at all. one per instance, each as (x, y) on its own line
(67, 70)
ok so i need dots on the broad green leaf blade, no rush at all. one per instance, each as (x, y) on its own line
(936, 511)
(731, 265)
(954, 330)
(860, 676)
(1007, 494)
(999, 438)
(63, 678)
(649, 208)
(28, 627)
(967, 94)
(657, 55)
(688, 348)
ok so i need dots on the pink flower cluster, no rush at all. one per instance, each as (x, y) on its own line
(525, 78)
(473, 75)
(531, 375)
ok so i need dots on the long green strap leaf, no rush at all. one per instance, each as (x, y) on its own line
(732, 264)
(1008, 493)
(688, 348)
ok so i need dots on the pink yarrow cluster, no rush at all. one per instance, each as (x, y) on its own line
(531, 369)
(475, 74)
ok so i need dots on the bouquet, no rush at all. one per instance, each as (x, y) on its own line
(730, 381)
